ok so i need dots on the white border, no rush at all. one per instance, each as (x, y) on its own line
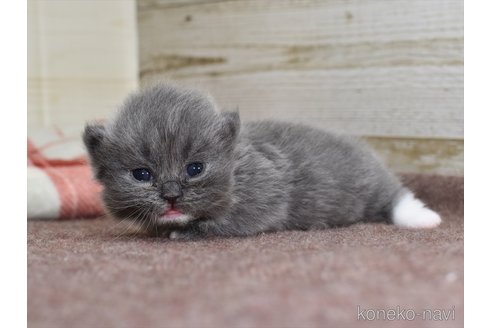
(478, 126)
(478, 169)
(13, 86)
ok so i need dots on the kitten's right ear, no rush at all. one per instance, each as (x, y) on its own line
(231, 126)
(93, 136)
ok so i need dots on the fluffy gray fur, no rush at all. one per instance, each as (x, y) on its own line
(258, 177)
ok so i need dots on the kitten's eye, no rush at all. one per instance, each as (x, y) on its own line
(142, 174)
(194, 169)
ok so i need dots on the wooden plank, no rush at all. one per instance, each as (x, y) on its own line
(441, 156)
(34, 98)
(378, 68)
(74, 102)
(35, 117)
(82, 59)
(344, 100)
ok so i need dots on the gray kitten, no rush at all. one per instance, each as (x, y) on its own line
(171, 162)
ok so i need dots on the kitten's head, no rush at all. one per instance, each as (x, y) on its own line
(166, 158)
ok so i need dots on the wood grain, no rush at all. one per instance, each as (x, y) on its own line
(442, 156)
(392, 70)
(82, 60)
(370, 68)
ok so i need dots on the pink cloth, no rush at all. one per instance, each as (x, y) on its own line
(59, 180)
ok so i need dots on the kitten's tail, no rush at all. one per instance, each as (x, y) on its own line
(410, 212)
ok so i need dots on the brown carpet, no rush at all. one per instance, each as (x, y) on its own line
(83, 274)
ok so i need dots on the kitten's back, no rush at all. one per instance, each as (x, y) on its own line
(341, 171)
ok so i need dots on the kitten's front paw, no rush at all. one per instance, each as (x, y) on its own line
(184, 235)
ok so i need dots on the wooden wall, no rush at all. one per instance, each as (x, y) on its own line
(388, 70)
(82, 60)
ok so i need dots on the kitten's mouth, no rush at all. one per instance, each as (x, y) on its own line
(173, 215)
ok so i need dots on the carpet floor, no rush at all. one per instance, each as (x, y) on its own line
(89, 273)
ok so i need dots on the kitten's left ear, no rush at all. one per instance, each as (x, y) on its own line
(231, 126)
(93, 135)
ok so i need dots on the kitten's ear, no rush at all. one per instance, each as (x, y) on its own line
(231, 127)
(93, 136)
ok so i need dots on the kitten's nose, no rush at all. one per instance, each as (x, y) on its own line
(171, 191)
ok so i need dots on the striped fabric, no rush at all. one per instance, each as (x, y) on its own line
(59, 179)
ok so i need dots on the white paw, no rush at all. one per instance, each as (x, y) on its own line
(410, 212)
(182, 235)
(175, 235)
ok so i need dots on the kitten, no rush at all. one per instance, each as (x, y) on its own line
(171, 162)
